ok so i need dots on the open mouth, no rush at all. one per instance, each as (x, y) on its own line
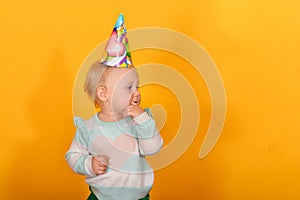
(135, 102)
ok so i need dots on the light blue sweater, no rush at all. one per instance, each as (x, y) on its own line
(126, 142)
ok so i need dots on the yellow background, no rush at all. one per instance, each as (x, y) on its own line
(255, 45)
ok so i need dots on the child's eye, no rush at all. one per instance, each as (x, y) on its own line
(133, 88)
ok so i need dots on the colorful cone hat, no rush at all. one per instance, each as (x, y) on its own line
(117, 52)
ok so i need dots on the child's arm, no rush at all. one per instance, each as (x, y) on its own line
(78, 156)
(150, 140)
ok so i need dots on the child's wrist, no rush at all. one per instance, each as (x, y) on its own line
(89, 166)
(141, 118)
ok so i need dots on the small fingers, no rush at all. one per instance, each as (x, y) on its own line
(100, 164)
(101, 170)
(103, 160)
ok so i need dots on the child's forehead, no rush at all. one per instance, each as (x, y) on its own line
(124, 74)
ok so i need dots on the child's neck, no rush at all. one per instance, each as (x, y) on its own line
(109, 116)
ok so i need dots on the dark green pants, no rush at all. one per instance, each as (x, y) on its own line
(93, 197)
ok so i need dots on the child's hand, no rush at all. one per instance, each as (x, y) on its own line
(99, 164)
(133, 111)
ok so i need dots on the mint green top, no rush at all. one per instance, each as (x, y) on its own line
(126, 142)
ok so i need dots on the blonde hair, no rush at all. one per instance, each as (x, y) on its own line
(94, 79)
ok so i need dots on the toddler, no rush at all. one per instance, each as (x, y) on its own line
(110, 147)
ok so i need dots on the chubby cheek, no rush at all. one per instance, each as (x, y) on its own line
(121, 101)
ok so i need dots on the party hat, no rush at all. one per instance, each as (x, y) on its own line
(117, 52)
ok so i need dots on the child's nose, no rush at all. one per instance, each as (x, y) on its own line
(136, 93)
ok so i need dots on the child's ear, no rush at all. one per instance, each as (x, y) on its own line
(101, 93)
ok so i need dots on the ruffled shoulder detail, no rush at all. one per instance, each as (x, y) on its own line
(81, 130)
(147, 110)
(79, 122)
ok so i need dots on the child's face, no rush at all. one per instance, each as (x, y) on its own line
(122, 85)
